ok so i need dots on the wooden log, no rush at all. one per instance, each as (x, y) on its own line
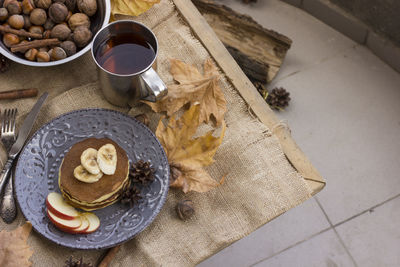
(258, 51)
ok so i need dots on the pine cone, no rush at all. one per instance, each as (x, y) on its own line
(4, 64)
(131, 196)
(278, 98)
(142, 173)
(261, 89)
(79, 263)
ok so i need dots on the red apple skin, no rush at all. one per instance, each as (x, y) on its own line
(62, 227)
(58, 213)
(92, 228)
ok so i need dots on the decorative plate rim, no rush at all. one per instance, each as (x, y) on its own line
(155, 212)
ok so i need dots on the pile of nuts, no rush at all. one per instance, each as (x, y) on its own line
(63, 25)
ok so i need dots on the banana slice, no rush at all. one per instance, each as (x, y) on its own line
(89, 161)
(107, 159)
(83, 175)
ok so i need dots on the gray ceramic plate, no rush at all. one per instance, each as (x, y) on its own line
(36, 175)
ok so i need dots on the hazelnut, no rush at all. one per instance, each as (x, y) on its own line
(89, 7)
(49, 24)
(16, 21)
(58, 12)
(82, 36)
(185, 209)
(57, 53)
(31, 54)
(38, 16)
(27, 6)
(14, 8)
(3, 14)
(69, 47)
(36, 29)
(10, 39)
(45, 4)
(78, 19)
(71, 4)
(6, 2)
(27, 22)
(42, 56)
(60, 31)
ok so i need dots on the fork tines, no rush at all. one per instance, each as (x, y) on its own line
(8, 121)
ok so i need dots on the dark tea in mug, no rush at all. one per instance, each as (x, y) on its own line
(125, 53)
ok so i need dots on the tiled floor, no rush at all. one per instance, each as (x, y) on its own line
(345, 115)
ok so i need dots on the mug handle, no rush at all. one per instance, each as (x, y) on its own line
(155, 87)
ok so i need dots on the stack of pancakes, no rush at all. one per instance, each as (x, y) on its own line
(92, 196)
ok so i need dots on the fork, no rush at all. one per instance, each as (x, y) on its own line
(8, 210)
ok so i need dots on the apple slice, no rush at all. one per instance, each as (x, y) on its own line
(94, 222)
(57, 205)
(65, 225)
(84, 226)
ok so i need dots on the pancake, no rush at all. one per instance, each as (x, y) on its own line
(92, 195)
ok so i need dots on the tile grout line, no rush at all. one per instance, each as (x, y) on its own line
(365, 211)
(291, 246)
(336, 233)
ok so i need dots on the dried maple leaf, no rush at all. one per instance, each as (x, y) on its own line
(188, 154)
(194, 88)
(14, 251)
(131, 7)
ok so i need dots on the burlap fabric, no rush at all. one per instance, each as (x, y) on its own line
(260, 183)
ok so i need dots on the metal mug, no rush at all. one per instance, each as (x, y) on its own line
(127, 89)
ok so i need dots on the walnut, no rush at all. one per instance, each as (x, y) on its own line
(71, 4)
(58, 12)
(78, 19)
(69, 47)
(49, 24)
(45, 4)
(38, 16)
(89, 7)
(82, 36)
(60, 31)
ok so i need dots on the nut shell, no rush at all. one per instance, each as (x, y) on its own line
(14, 8)
(60, 31)
(69, 47)
(57, 53)
(58, 12)
(16, 21)
(3, 14)
(31, 54)
(10, 39)
(38, 16)
(82, 36)
(49, 24)
(36, 29)
(89, 7)
(185, 209)
(45, 4)
(42, 56)
(78, 19)
(27, 6)
(27, 22)
(70, 4)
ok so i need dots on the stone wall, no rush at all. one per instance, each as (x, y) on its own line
(382, 15)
